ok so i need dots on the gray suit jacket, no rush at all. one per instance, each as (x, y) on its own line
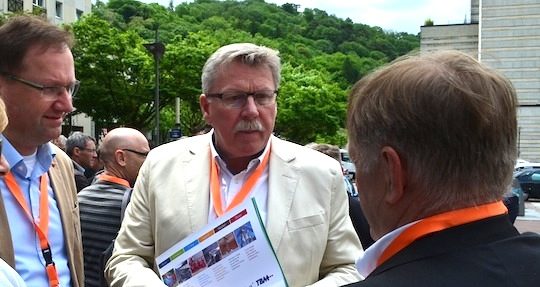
(307, 222)
(63, 183)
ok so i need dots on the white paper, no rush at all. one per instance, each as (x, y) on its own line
(234, 250)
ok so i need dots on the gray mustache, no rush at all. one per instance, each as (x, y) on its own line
(249, 126)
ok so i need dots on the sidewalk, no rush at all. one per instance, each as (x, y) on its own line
(531, 220)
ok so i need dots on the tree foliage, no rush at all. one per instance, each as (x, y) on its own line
(322, 57)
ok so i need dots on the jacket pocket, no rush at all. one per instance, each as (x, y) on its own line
(305, 222)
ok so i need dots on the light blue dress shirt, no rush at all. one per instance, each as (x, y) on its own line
(28, 256)
(9, 277)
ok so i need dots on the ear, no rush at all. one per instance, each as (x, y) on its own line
(395, 173)
(76, 151)
(204, 104)
(120, 157)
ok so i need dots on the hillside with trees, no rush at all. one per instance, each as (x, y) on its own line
(322, 57)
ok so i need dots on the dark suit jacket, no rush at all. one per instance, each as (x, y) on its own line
(361, 226)
(489, 252)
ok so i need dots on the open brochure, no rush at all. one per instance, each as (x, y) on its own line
(233, 250)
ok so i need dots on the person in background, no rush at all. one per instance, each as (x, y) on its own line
(81, 149)
(60, 142)
(95, 169)
(8, 276)
(299, 191)
(122, 152)
(355, 211)
(37, 83)
(433, 138)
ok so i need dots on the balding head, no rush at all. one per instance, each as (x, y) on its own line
(123, 151)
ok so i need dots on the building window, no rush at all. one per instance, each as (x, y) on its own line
(59, 10)
(79, 13)
(15, 5)
(38, 7)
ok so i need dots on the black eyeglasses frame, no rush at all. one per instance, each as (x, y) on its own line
(144, 154)
(74, 86)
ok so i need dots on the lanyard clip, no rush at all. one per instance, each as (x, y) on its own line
(47, 255)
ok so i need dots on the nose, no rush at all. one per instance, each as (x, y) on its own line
(4, 166)
(250, 109)
(64, 102)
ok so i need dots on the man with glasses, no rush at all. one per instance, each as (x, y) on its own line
(81, 149)
(122, 153)
(39, 215)
(185, 184)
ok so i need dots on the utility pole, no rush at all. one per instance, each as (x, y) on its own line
(157, 49)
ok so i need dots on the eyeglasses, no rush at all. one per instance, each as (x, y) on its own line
(236, 99)
(48, 92)
(92, 150)
(144, 154)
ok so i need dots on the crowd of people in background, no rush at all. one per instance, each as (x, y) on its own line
(425, 209)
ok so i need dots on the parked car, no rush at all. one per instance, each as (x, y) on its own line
(529, 181)
(347, 164)
(511, 200)
(523, 164)
(351, 188)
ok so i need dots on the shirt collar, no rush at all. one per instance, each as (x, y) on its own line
(44, 156)
(223, 166)
(367, 262)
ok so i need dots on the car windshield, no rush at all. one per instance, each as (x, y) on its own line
(345, 157)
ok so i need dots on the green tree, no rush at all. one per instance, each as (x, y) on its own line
(322, 56)
(181, 66)
(116, 75)
(308, 105)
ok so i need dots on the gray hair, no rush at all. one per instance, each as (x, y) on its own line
(450, 118)
(247, 53)
(77, 139)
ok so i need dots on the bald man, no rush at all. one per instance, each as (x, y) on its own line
(122, 153)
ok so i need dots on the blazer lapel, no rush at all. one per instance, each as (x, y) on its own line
(65, 195)
(6, 245)
(197, 183)
(282, 182)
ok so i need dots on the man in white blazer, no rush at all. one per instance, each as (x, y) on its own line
(186, 184)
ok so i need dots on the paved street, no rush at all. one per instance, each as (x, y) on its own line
(531, 220)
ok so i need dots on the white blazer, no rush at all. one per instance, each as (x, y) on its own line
(307, 220)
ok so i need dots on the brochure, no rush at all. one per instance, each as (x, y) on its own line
(234, 250)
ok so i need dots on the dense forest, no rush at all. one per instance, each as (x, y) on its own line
(322, 56)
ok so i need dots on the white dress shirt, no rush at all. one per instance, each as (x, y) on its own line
(367, 262)
(231, 184)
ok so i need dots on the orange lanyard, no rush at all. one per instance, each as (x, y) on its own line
(42, 229)
(244, 191)
(440, 222)
(114, 179)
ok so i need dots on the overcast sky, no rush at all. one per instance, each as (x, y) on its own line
(395, 15)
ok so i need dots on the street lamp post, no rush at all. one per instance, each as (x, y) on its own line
(157, 49)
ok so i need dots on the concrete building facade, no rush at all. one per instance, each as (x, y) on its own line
(504, 34)
(57, 11)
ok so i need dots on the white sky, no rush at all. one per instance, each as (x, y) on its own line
(394, 15)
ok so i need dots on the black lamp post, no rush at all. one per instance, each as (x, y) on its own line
(157, 49)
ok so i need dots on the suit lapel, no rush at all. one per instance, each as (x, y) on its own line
(197, 183)
(66, 201)
(6, 245)
(282, 182)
